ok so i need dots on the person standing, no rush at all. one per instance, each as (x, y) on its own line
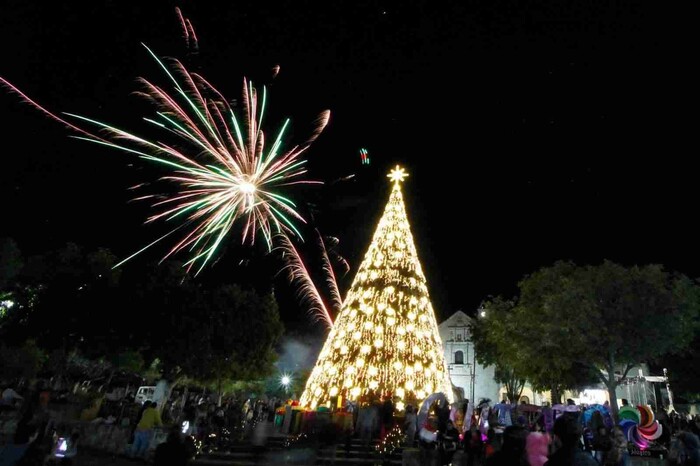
(25, 434)
(504, 409)
(484, 409)
(618, 454)
(536, 448)
(691, 448)
(449, 442)
(410, 425)
(474, 445)
(443, 414)
(567, 435)
(601, 440)
(512, 452)
(10, 398)
(144, 430)
(367, 421)
(387, 416)
(173, 451)
(143, 408)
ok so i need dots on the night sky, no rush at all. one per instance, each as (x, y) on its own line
(532, 130)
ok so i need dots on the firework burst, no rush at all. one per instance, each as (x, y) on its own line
(300, 276)
(220, 162)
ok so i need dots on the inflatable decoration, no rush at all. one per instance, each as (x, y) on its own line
(639, 425)
(605, 412)
(427, 403)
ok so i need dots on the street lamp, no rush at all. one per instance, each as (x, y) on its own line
(285, 382)
(480, 313)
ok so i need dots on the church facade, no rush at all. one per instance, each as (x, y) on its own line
(473, 380)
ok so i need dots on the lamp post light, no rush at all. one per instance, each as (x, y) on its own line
(285, 382)
(668, 391)
(481, 313)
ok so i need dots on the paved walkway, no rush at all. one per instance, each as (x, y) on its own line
(98, 459)
(637, 461)
(91, 458)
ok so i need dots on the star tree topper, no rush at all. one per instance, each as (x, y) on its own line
(397, 174)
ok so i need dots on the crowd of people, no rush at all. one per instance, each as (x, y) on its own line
(502, 434)
(505, 435)
(192, 423)
(35, 439)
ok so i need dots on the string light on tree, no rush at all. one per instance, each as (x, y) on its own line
(386, 337)
(390, 443)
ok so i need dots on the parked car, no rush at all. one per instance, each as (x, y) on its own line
(145, 393)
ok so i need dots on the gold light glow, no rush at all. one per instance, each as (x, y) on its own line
(386, 337)
(397, 175)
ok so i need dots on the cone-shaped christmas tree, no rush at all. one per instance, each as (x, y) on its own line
(386, 338)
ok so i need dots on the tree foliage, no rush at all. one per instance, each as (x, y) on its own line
(72, 302)
(225, 334)
(572, 322)
(491, 334)
(59, 294)
(22, 361)
(10, 263)
(684, 381)
(511, 380)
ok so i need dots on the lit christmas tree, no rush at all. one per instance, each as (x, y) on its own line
(386, 337)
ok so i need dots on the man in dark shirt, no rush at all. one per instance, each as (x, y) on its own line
(567, 433)
(172, 452)
(387, 415)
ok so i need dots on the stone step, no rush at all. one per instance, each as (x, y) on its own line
(229, 455)
(352, 460)
(296, 456)
(320, 461)
(276, 453)
(322, 452)
(215, 462)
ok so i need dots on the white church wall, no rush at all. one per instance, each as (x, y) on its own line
(475, 380)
